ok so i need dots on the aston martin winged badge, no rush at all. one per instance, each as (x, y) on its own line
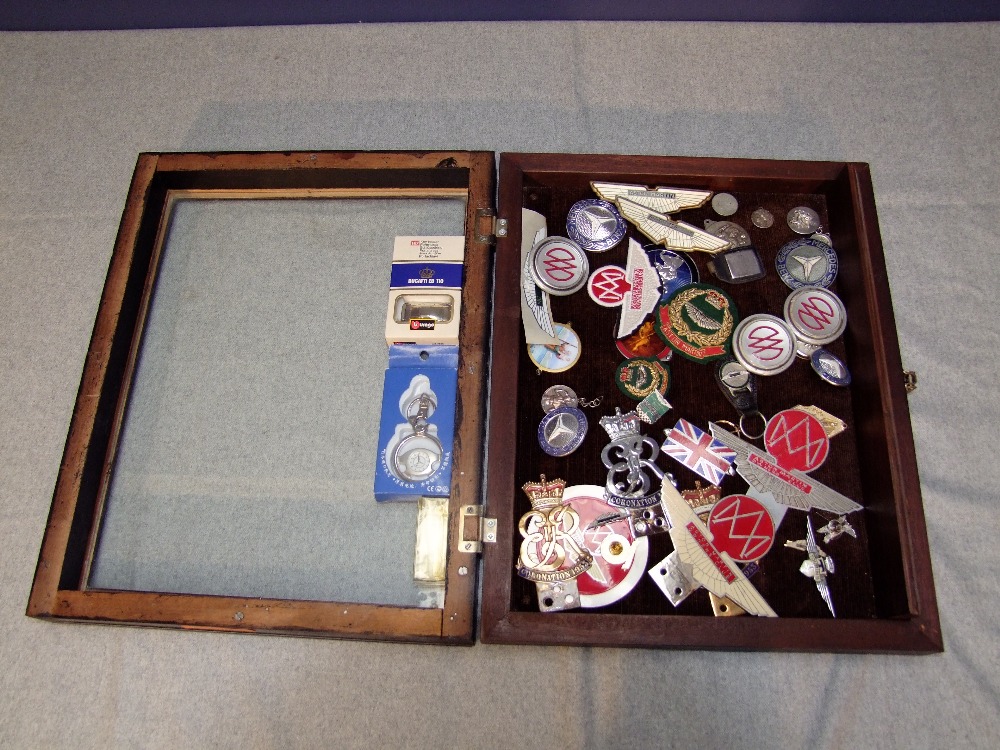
(701, 562)
(664, 200)
(673, 235)
(788, 486)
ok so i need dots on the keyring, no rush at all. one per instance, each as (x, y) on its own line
(422, 405)
(743, 430)
(417, 456)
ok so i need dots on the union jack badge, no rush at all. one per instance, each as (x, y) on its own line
(699, 451)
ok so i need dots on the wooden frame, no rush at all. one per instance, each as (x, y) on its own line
(903, 615)
(59, 589)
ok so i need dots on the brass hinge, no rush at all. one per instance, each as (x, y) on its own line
(495, 227)
(475, 529)
(909, 380)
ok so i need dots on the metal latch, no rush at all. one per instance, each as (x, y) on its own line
(909, 380)
(495, 227)
(474, 529)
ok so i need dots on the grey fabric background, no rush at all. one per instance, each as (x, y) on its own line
(917, 102)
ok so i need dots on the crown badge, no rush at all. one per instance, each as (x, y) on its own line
(716, 300)
(621, 425)
(427, 273)
(701, 497)
(545, 494)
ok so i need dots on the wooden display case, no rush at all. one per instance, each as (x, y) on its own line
(883, 582)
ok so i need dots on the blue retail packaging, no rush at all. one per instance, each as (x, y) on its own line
(417, 426)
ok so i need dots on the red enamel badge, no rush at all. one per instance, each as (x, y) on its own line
(797, 440)
(619, 557)
(742, 527)
(608, 286)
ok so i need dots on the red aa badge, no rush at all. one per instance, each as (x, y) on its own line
(797, 440)
(608, 286)
(742, 527)
(619, 557)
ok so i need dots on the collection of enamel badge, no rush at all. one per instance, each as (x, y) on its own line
(588, 545)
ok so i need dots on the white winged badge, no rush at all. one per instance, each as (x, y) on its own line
(788, 486)
(664, 200)
(709, 567)
(536, 301)
(673, 235)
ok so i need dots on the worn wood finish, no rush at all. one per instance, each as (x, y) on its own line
(899, 612)
(59, 589)
(240, 615)
(470, 407)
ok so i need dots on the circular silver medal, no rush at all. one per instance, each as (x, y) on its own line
(556, 396)
(558, 265)
(562, 430)
(729, 231)
(803, 220)
(829, 367)
(815, 314)
(725, 204)
(417, 456)
(595, 225)
(764, 344)
(806, 262)
(762, 218)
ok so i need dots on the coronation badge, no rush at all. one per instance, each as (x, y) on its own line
(550, 550)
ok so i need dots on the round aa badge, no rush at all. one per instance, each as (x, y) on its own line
(557, 357)
(558, 265)
(797, 440)
(802, 220)
(764, 344)
(608, 286)
(562, 430)
(741, 527)
(829, 367)
(698, 322)
(674, 269)
(637, 378)
(806, 262)
(595, 225)
(816, 315)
